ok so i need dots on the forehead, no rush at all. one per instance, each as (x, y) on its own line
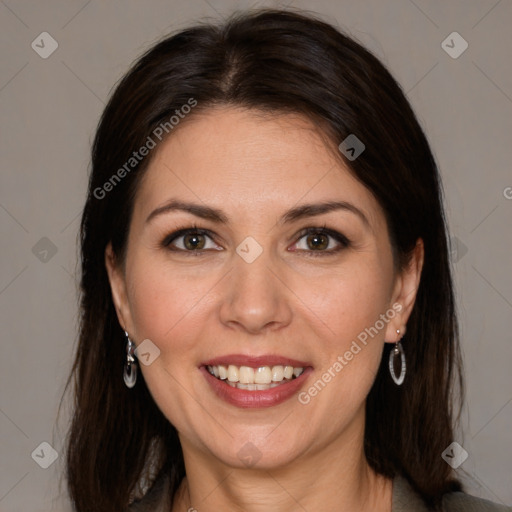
(249, 161)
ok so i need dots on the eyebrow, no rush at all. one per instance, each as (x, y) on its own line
(292, 215)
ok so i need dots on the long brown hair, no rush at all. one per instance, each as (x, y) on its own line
(275, 61)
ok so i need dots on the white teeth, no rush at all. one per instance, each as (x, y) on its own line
(233, 373)
(223, 372)
(263, 377)
(277, 373)
(246, 375)
(253, 387)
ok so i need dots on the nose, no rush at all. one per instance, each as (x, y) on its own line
(256, 298)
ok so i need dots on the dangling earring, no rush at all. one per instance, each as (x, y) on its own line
(396, 352)
(130, 367)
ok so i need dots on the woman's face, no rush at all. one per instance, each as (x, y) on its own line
(249, 287)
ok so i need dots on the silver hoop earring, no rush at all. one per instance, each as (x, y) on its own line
(397, 352)
(130, 367)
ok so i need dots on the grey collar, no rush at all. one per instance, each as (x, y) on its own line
(405, 499)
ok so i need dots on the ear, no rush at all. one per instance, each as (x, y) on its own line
(404, 293)
(118, 288)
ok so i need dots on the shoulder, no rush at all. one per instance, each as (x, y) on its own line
(405, 499)
(462, 502)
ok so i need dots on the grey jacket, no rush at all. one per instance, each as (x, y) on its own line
(405, 499)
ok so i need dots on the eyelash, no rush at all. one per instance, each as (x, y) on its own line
(341, 239)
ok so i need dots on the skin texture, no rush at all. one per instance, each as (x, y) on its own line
(293, 300)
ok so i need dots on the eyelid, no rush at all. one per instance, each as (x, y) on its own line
(339, 237)
(342, 240)
(180, 232)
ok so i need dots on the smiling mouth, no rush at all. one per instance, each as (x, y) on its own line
(255, 379)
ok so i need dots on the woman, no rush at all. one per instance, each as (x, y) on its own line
(268, 319)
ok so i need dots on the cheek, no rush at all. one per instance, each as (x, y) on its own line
(171, 305)
(353, 299)
(354, 305)
(164, 298)
(169, 308)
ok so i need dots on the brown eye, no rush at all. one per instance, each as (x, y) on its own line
(194, 241)
(190, 240)
(317, 241)
(321, 241)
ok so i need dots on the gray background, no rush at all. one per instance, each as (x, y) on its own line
(49, 110)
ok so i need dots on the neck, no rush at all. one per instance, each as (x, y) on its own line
(338, 477)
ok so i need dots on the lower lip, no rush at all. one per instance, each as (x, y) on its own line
(250, 399)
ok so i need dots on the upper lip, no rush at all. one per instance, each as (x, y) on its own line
(255, 361)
